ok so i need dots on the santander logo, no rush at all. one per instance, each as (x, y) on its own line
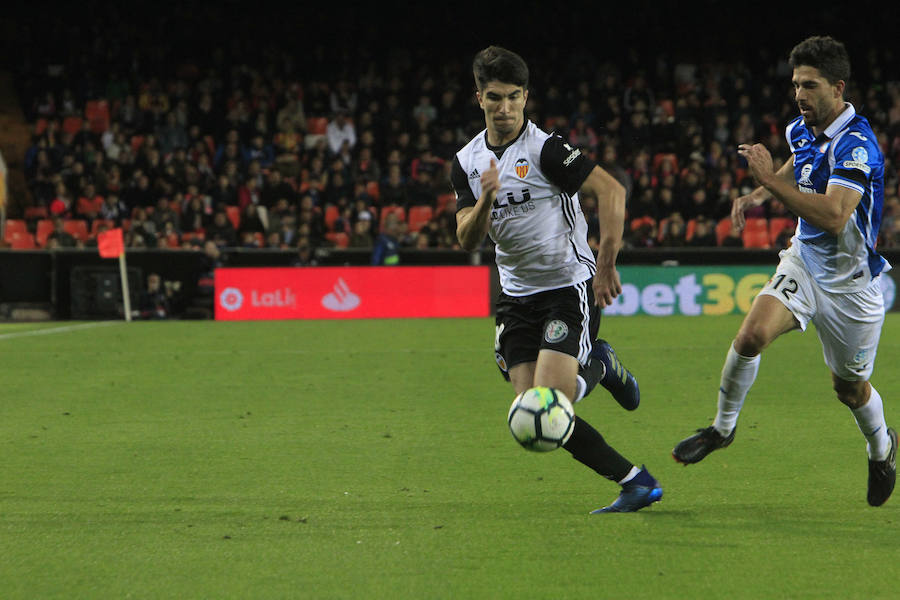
(341, 299)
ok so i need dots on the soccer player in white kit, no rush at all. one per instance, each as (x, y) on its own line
(520, 185)
(830, 275)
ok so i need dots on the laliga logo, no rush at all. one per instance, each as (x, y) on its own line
(231, 299)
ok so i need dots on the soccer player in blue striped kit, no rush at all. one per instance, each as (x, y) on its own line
(831, 273)
(520, 186)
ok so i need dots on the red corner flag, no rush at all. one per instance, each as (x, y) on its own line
(110, 243)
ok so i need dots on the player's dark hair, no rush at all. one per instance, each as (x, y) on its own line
(499, 64)
(825, 54)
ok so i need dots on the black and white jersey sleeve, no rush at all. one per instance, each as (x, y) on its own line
(565, 166)
(460, 182)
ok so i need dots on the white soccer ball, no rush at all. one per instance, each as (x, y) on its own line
(541, 419)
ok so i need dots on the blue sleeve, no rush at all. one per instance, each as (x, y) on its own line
(856, 157)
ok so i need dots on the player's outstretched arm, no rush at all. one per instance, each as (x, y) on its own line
(829, 211)
(610, 197)
(758, 196)
(472, 222)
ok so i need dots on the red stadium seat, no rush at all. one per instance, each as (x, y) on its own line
(20, 240)
(338, 238)
(690, 229)
(722, 229)
(779, 224)
(331, 215)
(77, 228)
(755, 238)
(97, 114)
(16, 225)
(419, 216)
(44, 229)
(72, 124)
(445, 201)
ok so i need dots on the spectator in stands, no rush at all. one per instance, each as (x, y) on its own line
(674, 231)
(704, 233)
(221, 231)
(171, 134)
(361, 237)
(260, 151)
(249, 193)
(138, 193)
(224, 193)
(251, 221)
(394, 190)
(291, 116)
(734, 239)
(113, 209)
(197, 215)
(305, 257)
(164, 213)
(59, 237)
(339, 130)
(155, 300)
(90, 203)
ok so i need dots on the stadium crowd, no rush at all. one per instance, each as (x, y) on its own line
(247, 144)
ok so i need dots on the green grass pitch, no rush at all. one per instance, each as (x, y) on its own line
(371, 459)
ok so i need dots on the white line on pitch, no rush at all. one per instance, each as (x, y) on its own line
(49, 330)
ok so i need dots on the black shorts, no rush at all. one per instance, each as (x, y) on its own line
(565, 320)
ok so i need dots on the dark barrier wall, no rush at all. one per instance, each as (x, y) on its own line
(45, 277)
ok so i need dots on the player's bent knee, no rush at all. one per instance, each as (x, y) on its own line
(750, 341)
(854, 394)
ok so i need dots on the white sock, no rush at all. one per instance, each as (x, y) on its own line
(631, 475)
(738, 375)
(870, 420)
(580, 388)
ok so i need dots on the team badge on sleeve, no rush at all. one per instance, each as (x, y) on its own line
(521, 168)
(860, 158)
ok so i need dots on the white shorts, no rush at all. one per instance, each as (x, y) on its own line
(848, 325)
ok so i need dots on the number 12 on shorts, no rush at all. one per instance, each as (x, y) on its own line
(790, 285)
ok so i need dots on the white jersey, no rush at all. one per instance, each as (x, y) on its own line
(536, 221)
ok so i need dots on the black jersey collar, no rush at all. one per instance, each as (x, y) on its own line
(499, 150)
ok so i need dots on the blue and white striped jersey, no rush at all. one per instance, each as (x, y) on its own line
(845, 154)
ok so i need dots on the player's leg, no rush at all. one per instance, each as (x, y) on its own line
(849, 328)
(564, 341)
(603, 365)
(785, 303)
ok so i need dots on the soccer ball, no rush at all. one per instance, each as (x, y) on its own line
(541, 419)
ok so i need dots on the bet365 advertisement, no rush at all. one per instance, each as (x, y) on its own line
(351, 292)
(696, 291)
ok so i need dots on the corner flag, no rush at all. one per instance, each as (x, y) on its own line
(110, 243)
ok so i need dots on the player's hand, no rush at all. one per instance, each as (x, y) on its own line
(759, 161)
(490, 181)
(738, 207)
(607, 285)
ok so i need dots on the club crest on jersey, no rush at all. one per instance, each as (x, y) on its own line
(556, 331)
(805, 172)
(860, 155)
(521, 168)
